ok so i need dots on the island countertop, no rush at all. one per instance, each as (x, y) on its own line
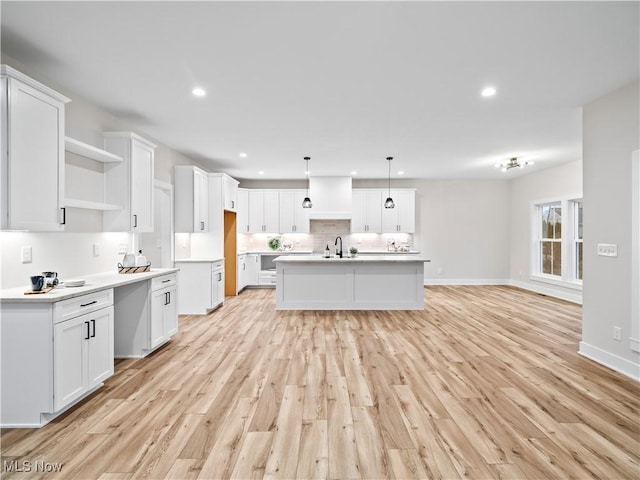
(396, 258)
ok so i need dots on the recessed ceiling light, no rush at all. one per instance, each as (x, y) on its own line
(488, 92)
(261, 172)
(354, 173)
(400, 172)
(199, 92)
(242, 155)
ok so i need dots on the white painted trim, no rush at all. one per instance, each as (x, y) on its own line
(634, 344)
(570, 296)
(610, 360)
(466, 281)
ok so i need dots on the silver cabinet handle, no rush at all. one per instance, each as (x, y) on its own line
(135, 221)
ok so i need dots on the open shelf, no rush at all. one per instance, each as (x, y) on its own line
(89, 151)
(75, 203)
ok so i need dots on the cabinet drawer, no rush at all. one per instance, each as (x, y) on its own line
(67, 309)
(163, 281)
(217, 265)
(267, 277)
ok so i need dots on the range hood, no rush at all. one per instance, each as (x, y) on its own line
(331, 198)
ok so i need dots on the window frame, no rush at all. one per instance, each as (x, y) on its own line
(569, 205)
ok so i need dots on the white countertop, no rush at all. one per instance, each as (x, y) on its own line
(277, 252)
(346, 259)
(199, 260)
(94, 283)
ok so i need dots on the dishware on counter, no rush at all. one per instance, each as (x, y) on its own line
(74, 282)
(37, 282)
(129, 260)
(50, 278)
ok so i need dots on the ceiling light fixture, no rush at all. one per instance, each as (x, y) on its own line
(512, 163)
(306, 203)
(199, 92)
(488, 92)
(242, 155)
(388, 203)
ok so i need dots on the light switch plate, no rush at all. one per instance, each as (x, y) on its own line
(25, 254)
(607, 249)
(96, 249)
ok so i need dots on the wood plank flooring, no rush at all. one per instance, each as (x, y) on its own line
(485, 383)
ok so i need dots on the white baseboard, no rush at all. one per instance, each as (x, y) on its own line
(466, 281)
(610, 360)
(571, 296)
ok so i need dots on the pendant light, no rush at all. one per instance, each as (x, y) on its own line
(306, 203)
(388, 203)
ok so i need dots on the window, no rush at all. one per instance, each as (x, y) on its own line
(557, 241)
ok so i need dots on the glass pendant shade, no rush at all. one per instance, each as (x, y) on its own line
(306, 203)
(388, 203)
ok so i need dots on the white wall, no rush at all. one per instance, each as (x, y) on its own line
(551, 183)
(463, 228)
(611, 129)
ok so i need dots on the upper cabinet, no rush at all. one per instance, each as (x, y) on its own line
(402, 218)
(242, 217)
(366, 214)
(293, 218)
(32, 173)
(230, 191)
(191, 199)
(264, 211)
(129, 183)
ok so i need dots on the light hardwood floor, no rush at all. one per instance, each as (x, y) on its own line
(484, 383)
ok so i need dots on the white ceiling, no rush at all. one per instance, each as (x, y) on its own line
(347, 83)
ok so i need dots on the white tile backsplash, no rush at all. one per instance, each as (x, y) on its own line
(323, 233)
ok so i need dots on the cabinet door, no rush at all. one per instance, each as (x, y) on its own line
(241, 272)
(200, 201)
(170, 313)
(287, 212)
(271, 211)
(156, 332)
(32, 159)
(402, 217)
(218, 287)
(242, 217)
(256, 211)
(100, 346)
(367, 217)
(69, 360)
(230, 193)
(141, 187)
(253, 269)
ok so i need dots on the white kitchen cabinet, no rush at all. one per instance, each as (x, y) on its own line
(201, 286)
(130, 183)
(366, 214)
(242, 215)
(293, 218)
(143, 321)
(32, 173)
(241, 272)
(191, 193)
(252, 274)
(83, 355)
(230, 189)
(402, 218)
(164, 313)
(264, 209)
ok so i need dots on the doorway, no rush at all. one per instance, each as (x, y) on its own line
(230, 254)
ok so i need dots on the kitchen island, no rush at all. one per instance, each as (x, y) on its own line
(372, 282)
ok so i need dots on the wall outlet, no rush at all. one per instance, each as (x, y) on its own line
(439, 271)
(26, 254)
(617, 334)
(96, 249)
(607, 249)
(122, 248)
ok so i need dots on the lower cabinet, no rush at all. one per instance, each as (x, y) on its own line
(164, 312)
(82, 355)
(201, 286)
(145, 316)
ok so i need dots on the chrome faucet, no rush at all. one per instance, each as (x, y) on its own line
(339, 252)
